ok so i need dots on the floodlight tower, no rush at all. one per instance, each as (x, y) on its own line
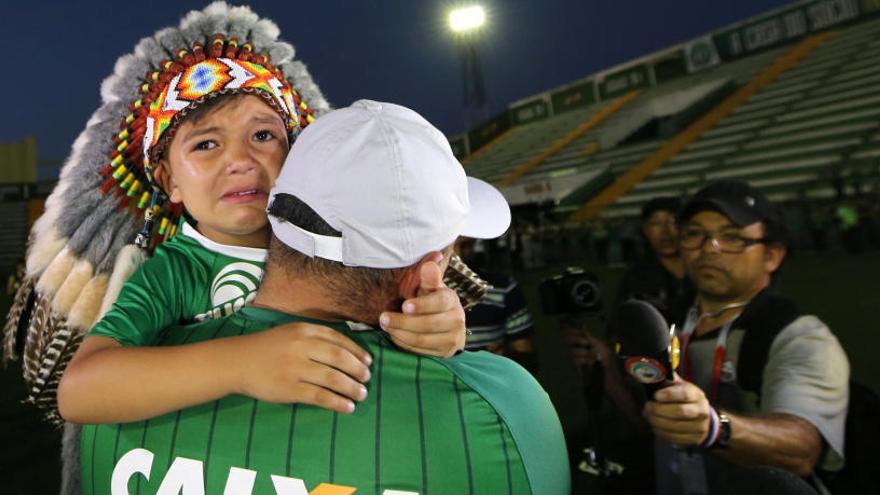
(467, 23)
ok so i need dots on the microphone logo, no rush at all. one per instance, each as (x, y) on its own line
(646, 370)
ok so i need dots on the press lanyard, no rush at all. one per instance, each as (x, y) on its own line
(720, 349)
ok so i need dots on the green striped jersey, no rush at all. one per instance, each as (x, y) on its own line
(189, 278)
(473, 424)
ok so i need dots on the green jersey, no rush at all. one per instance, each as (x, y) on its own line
(473, 424)
(189, 278)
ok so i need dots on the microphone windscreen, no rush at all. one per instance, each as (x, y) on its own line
(639, 329)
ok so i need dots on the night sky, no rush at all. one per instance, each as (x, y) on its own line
(56, 53)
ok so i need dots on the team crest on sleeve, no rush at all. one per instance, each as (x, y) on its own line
(233, 287)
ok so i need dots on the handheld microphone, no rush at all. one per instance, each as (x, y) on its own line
(645, 344)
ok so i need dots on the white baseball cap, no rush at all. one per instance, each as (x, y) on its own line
(385, 178)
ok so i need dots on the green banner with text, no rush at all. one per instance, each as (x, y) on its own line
(788, 25)
(488, 131)
(573, 97)
(531, 111)
(616, 84)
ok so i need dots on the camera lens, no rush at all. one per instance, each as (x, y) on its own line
(583, 293)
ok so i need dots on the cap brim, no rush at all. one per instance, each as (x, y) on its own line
(489, 216)
(739, 215)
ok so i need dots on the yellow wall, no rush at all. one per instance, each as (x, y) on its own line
(18, 161)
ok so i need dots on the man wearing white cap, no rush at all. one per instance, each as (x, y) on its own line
(368, 195)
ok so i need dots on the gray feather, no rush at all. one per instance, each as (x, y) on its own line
(96, 251)
(196, 26)
(149, 50)
(215, 18)
(280, 53)
(98, 220)
(302, 81)
(119, 87)
(241, 22)
(71, 218)
(170, 40)
(264, 34)
(123, 236)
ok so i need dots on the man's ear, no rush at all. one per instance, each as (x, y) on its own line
(411, 278)
(773, 256)
(166, 181)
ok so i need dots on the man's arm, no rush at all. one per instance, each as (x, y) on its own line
(781, 440)
(680, 414)
(108, 383)
(585, 350)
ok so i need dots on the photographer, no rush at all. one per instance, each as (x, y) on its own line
(610, 454)
(763, 384)
(658, 278)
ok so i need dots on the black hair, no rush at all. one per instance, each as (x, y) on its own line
(211, 105)
(667, 203)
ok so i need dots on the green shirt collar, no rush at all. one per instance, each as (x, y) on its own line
(274, 318)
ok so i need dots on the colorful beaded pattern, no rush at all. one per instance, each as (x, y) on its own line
(195, 75)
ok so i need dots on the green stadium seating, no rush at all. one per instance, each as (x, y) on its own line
(792, 136)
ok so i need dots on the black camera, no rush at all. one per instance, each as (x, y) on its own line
(573, 291)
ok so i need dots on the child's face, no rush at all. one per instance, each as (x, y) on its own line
(222, 166)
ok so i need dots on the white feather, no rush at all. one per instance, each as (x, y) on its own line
(56, 272)
(44, 249)
(72, 287)
(127, 261)
(84, 312)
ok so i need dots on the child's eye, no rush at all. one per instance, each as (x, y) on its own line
(264, 136)
(205, 145)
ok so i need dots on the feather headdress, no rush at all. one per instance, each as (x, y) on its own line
(80, 251)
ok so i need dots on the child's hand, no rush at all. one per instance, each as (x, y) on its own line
(432, 323)
(303, 363)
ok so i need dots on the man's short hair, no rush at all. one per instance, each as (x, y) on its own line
(334, 273)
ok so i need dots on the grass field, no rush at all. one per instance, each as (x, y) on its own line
(841, 290)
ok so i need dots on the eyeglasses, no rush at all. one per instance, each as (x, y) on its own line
(726, 242)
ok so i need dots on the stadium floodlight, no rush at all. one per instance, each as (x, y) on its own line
(467, 18)
(466, 22)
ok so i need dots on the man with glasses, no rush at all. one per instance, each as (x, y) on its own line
(760, 383)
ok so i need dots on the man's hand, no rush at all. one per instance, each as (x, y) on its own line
(432, 323)
(679, 413)
(303, 363)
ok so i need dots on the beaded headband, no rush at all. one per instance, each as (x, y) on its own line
(193, 77)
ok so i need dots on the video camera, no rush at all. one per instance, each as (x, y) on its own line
(574, 294)
(572, 291)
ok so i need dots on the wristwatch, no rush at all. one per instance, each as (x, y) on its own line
(723, 440)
